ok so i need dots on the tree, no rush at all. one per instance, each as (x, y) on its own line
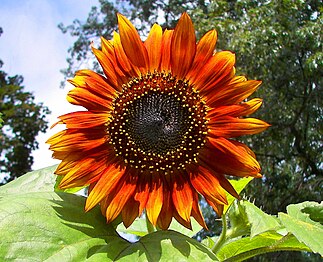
(23, 119)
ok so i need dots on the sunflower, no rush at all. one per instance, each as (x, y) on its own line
(158, 125)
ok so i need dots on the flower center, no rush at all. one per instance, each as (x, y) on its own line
(158, 123)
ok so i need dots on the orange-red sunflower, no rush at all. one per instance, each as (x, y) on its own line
(158, 124)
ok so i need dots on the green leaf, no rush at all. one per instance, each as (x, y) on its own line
(302, 226)
(244, 248)
(137, 228)
(259, 220)
(162, 246)
(40, 226)
(1, 121)
(54, 227)
(239, 221)
(41, 180)
(238, 185)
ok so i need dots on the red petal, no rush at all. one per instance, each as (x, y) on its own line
(132, 44)
(165, 50)
(183, 46)
(109, 179)
(182, 195)
(228, 126)
(155, 200)
(153, 45)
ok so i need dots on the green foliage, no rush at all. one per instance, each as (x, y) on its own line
(40, 224)
(22, 120)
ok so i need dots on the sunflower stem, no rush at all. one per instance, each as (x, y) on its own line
(223, 236)
(150, 226)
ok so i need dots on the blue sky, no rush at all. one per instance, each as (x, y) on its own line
(32, 46)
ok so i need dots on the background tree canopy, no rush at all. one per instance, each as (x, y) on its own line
(23, 119)
(279, 42)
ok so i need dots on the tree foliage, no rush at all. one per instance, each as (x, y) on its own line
(23, 119)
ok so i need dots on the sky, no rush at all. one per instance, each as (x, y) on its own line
(32, 46)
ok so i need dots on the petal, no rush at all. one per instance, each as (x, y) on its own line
(153, 45)
(82, 97)
(196, 211)
(83, 119)
(72, 140)
(155, 200)
(95, 82)
(208, 186)
(233, 93)
(242, 109)
(232, 127)
(129, 69)
(123, 191)
(216, 71)
(224, 156)
(84, 172)
(130, 212)
(132, 44)
(183, 46)
(165, 50)
(166, 213)
(182, 195)
(107, 66)
(106, 183)
(204, 51)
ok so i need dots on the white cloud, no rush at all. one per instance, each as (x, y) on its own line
(33, 46)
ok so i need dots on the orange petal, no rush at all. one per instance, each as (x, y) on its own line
(165, 50)
(183, 46)
(217, 70)
(84, 119)
(208, 186)
(129, 69)
(155, 200)
(204, 51)
(107, 182)
(107, 66)
(182, 195)
(153, 45)
(233, 93)
(232, 127)
(94, 82)
(84, 172)
(72, 140)
(123, 192)
(224, 156)
(132, 44)
(83, 97)
(242, 109)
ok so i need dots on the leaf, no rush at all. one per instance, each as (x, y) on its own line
(41, 180)
(54, 227)
(259, 220)
(244, 248)
(162, 246)
(302, 226)
(41, 226)
(239, 222)
(238, 185)
(138, 228)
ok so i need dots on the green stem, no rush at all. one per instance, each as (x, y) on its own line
(223, 236)
(150, 227)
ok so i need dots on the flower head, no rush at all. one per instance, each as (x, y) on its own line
(157, 129)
